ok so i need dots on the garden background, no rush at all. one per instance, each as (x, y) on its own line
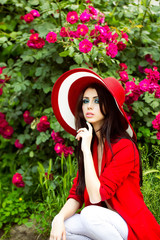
(40, 40)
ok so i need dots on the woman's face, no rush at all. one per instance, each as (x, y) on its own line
(91, 108)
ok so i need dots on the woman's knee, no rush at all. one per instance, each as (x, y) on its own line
(88, 215)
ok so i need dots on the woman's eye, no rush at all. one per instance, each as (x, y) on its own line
(85, 101)
(96, 100)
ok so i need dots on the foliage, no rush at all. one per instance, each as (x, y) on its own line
(28, 71)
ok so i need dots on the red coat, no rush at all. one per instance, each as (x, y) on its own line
(119, 181)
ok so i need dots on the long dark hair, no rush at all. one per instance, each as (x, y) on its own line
(113, 128)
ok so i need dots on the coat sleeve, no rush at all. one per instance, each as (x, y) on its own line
(121, 165)
(73, 194)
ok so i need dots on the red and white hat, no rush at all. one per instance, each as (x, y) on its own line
(67, 89)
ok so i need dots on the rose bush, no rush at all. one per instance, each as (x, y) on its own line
(39, 41)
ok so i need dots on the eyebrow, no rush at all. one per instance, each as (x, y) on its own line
(88, 97)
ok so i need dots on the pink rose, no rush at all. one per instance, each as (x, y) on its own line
(1, 91)
(18, 144)
(63, 32)
(28, 18)
(34, 37)
(157, 93)
(82, 29)
(72, 17)
(27, 118)
(123, 66)
(144, 85)
(125, 36)
(51, 37)
(67, 151)
(85, 16)
(56, 137)
(59, 148)
(7, 132)
(112, 50)
(123, 76)
(43, 119)
(39, 43)
(158, 135)
(2, 115)
(17, 180)
(121, 46)
(43, 126)
(35, 13)
(1, 69)
(3, 125)
(85, 46)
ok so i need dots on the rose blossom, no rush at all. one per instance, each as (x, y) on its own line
(56, 137)
(158, 135)
(34, 37)
(67, 151)
(7, 132)
(51, 37)
(39, 43)
(123, 76)
(3, 125)
(85, 46)
(17, 180)
(43, 118)
(82, 29)
(35, 13)
(144, 85)
(140, 69)
(85, 16)
(149, 59)
(1, 69)
(28, 18)
(112, 50)
(1, 91)
(121, 46)
(130, 86)
(64, 32)
(157, 93)
(152, 75)
(18, 144)
(2, 115)
(27, 118)
(43, 125)
(123, 66)
(156, 122)
(72, 17)
(59, 148)
(125, 36)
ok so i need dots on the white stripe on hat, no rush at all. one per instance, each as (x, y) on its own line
(63, 96)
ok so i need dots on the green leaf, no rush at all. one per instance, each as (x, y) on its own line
(78, 58)
(64, 54)
(59, 60)
(3, 39)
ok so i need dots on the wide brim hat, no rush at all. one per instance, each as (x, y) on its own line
(67, 89)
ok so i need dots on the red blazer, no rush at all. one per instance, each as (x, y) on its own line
(119, 185)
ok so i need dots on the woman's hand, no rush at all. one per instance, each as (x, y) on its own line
(58, 229)
(86, 136)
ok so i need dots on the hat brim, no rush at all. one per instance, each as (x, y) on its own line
(66, 91)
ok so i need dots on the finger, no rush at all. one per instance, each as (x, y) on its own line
(81, 130)
(79, 136)
(64, 236)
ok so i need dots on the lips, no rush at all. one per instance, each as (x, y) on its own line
(89, 114)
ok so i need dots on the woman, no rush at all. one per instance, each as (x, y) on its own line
(109, 170)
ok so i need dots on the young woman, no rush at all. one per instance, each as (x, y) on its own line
(109, 169)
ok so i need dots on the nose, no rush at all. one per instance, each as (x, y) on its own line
(90, 105)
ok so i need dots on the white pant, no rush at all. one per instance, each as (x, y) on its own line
(96, 223)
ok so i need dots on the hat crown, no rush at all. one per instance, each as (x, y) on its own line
(115, 89)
